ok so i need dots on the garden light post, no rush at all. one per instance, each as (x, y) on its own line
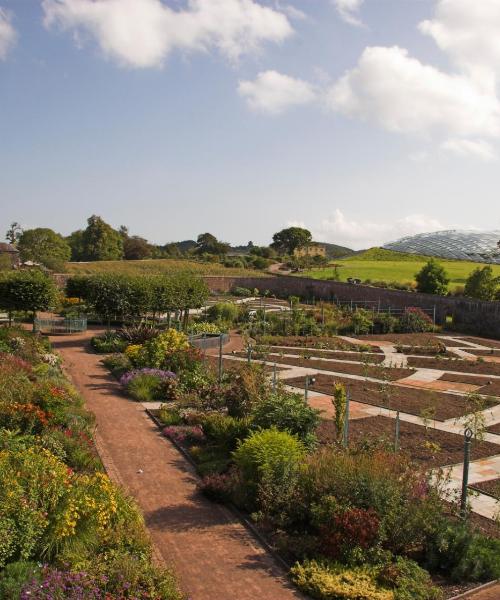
(249, 354)
(220, 358)
(309, 380)
(468, 433)
(274, 377)
(346, 418)
(396, 434)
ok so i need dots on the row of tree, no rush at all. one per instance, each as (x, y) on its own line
(128, 297)
(99, 241)
(481, 283)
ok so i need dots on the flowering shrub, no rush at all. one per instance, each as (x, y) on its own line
(150, 384)
(415, 320)
(185, 434)
(156, 352)
(218, 487)
(50, 358)
(354, 527)
(205, 327)
(133, 352)
(53, 584)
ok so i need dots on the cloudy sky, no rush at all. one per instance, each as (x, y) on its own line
(364, 120)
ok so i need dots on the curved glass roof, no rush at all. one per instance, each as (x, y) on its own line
(479, 246)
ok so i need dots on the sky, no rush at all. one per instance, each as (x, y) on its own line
(362, 120)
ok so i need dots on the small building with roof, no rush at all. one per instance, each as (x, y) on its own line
(9, 254)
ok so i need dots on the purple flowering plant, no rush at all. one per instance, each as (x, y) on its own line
(129, 376)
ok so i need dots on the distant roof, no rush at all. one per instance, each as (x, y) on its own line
(4, 247)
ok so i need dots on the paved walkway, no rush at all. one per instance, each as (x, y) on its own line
(215, 557)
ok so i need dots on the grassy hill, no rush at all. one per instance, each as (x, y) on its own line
(157, 267)
(334, 251)
(378, 264)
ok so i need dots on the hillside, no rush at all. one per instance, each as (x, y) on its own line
(381, 254)
(335, 251)
(157, 267)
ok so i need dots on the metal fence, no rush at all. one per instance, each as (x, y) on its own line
(61, 326)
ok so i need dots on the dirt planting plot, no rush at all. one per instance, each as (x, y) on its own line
(488, 387)
(332, 343)
(491, 487)
(490, 352)
(354, 369)
(463, 366)
(409, 339)
(405, 399)
(482, 341)
(431, 447)
(355, 356)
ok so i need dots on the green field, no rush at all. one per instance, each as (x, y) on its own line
(383, 265)
(157, 267)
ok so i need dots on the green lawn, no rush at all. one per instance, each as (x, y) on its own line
(156, 267)
(402, 271)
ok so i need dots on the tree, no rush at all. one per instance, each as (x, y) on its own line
(288, 240)
(136, 248)
(28, 291)
(100, 241)
(432, 279)
(13, 233)
(45, 246)
(75, 241)
(209, 244)
(481, 284)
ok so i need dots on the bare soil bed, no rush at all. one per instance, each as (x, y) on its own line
(430, 447)
(228, 364)
(390, 374)
(355, 356)
(405, 399)
(410, 339)
(463, 366)
(490, 352)
(489, 387)
(491, 487)
(483, 341)
(332, 343)
(494, 429)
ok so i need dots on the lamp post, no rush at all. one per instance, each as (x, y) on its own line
(346, 421)
(468, 433)
(220, 358)
(396, 434)
(309, 381)
(274, 377)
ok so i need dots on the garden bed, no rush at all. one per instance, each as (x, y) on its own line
(488, 387)
(491, 352)
(309, 341)
(410, 339)
(483, 341)
(431, 447)
(374, 372)
(375, 358)
(494, 429)
(462, 366)
(402, 398)
(490, 487)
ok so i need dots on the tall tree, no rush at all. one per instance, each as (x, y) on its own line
(482, 284)
(75, 241)
(432, 278)
(100, 241)
(209, 244)
(13, 233)
(45, 246)
(136, 248)
(288, 240)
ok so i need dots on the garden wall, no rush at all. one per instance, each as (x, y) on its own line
(481, 318)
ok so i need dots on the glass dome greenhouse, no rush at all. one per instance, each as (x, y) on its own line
(478, 246)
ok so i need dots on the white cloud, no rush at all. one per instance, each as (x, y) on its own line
(465, 148)
(292, 11)
(272, 92)
(338, 229)
(348, 10)
(468, 31)
(403, 95)
(7, 33)
(142, 33)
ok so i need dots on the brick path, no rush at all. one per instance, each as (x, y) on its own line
(215, 557)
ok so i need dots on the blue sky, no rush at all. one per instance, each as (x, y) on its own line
(363, 121)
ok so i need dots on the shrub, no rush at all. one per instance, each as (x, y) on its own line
(218, 487)
(432, 278)
(108, 343)
(361, 321)
(241, 291)
(14, 577)
(248, 384)
(268, 454)
(155, 353)
(225, 430)
(204, 327)
(225, 312)
(118, 364)
(287, 412)
(331, 581)
(169, 417)
(185, 434)
(414, 320)
(409, 581)
(349, 529)
(146, 385)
